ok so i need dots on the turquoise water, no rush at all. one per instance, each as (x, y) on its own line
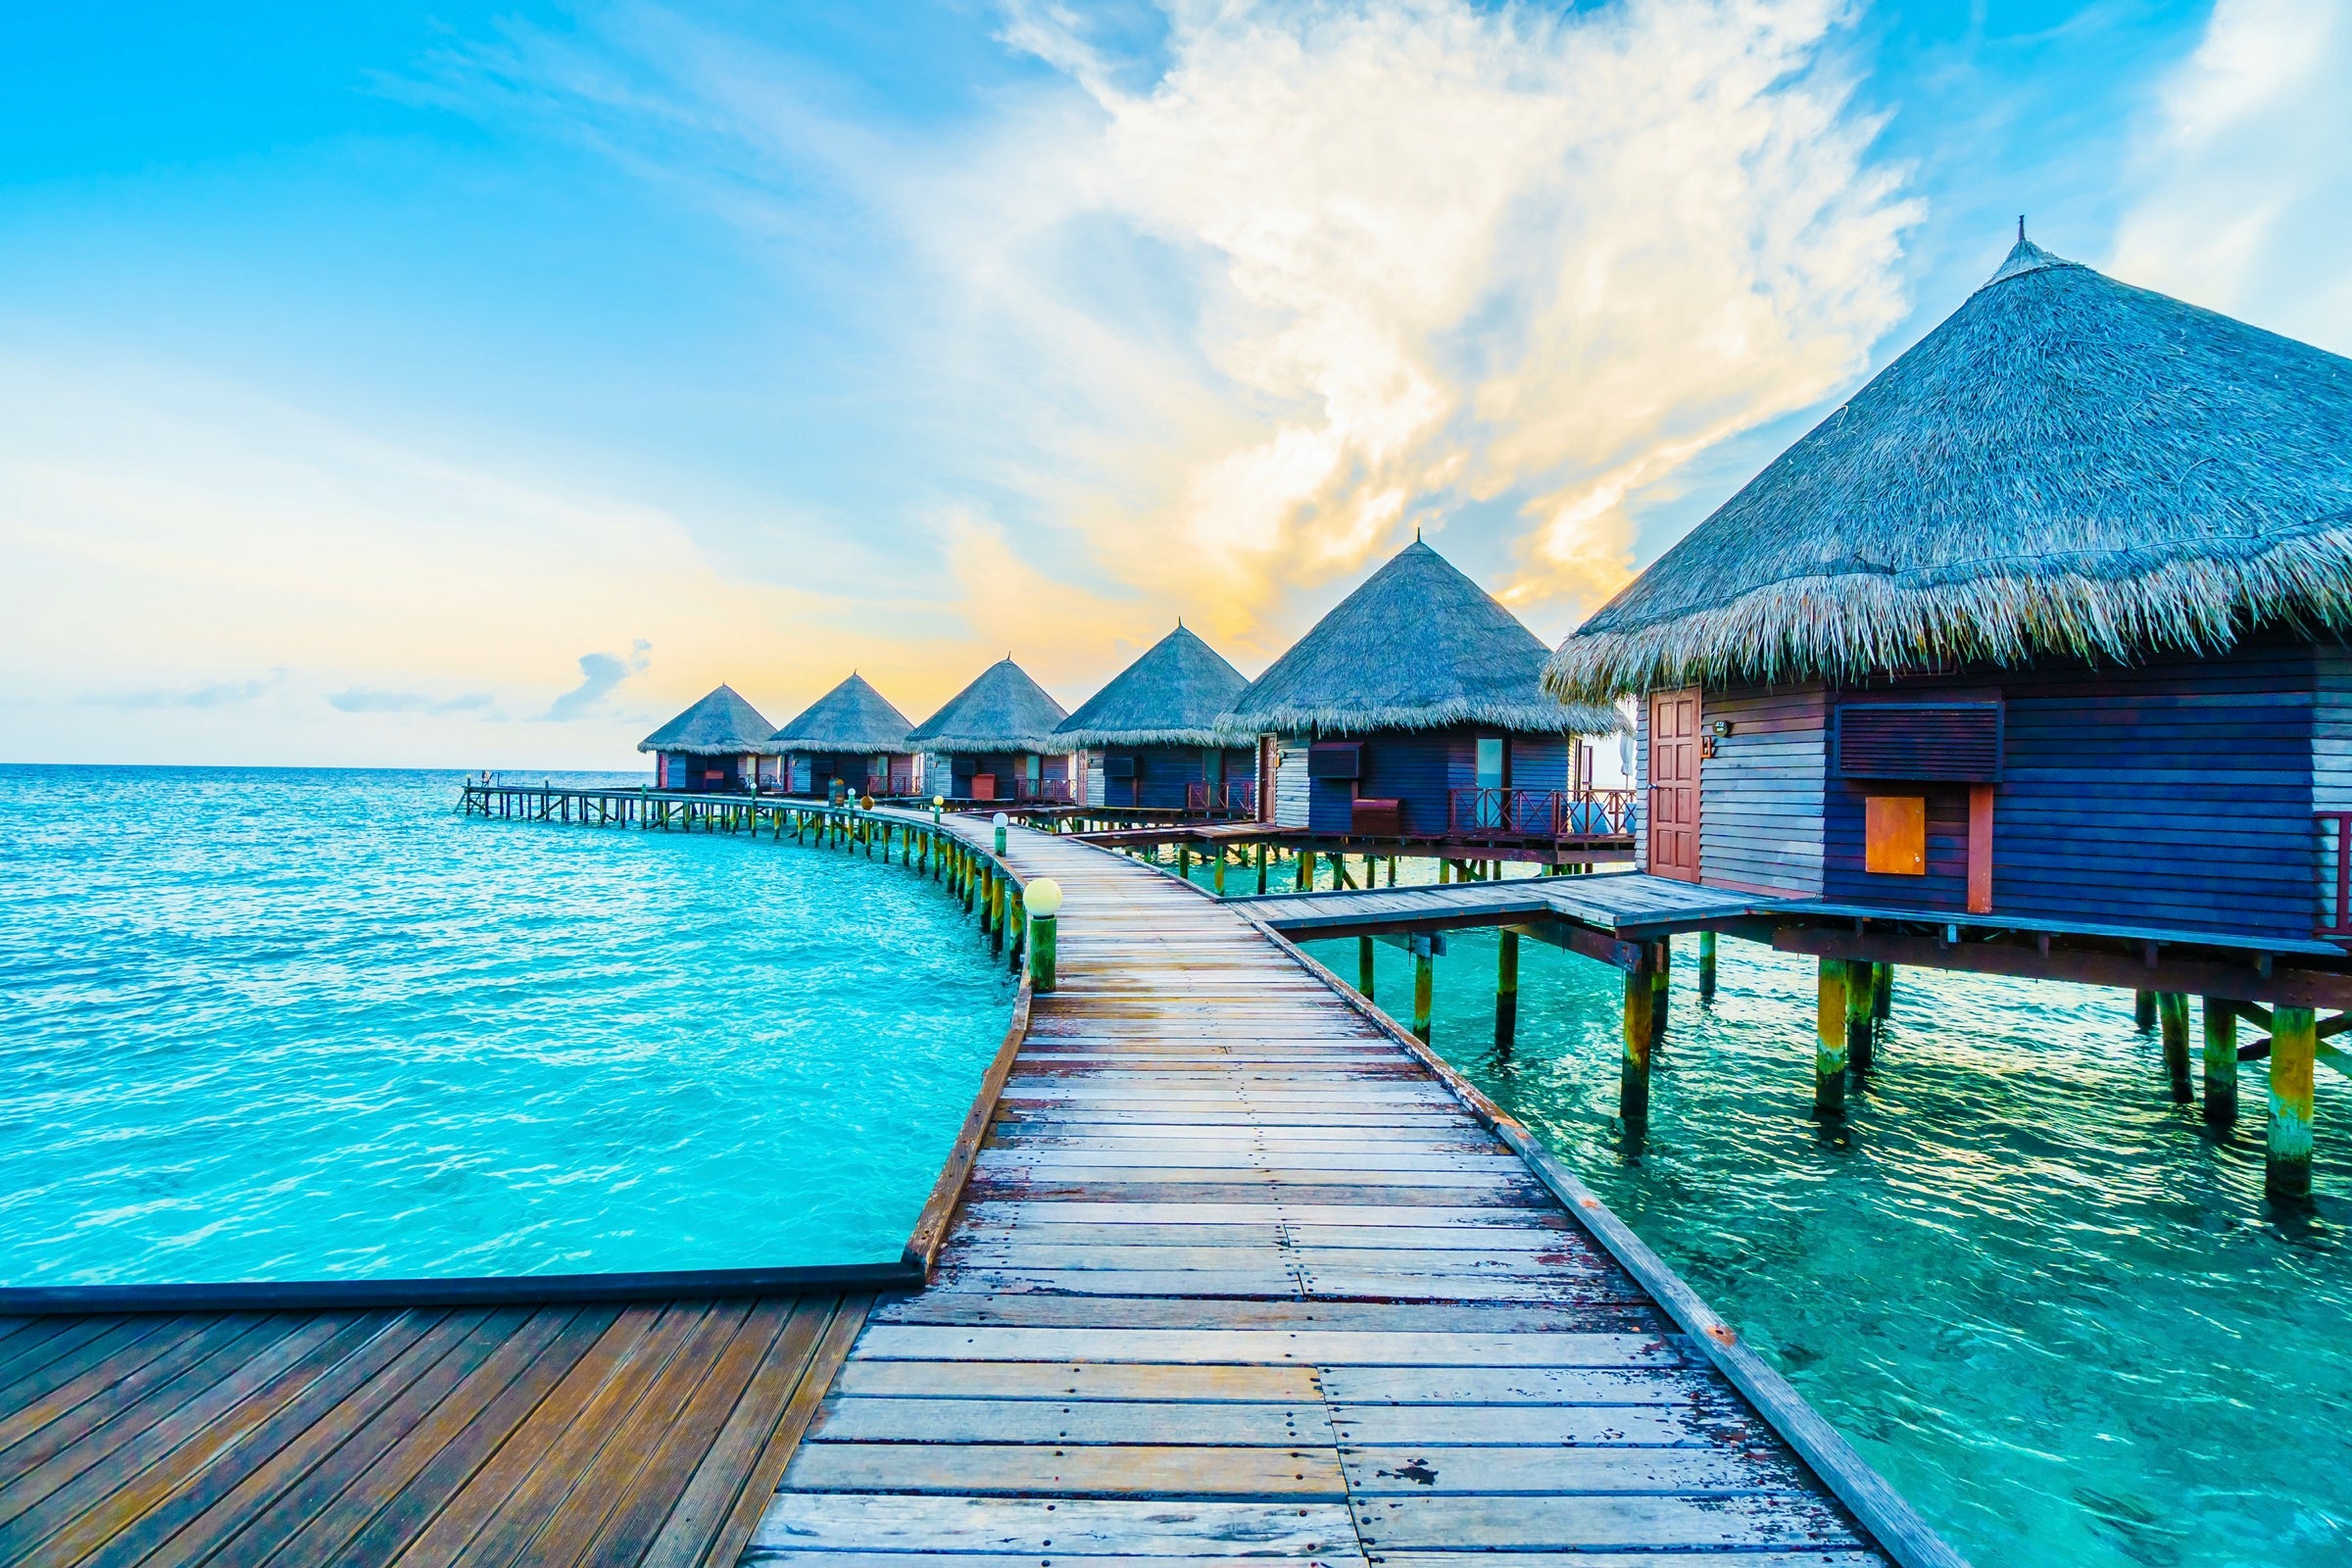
(297, 1024)
(2039, 1298)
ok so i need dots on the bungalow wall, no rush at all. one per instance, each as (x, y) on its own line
(2176, 793)
(1421, 769)
(703, 775)
(1002, 768)
(1161, 775)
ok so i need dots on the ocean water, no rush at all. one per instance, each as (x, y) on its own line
(2057, 1315)
(282, 1024)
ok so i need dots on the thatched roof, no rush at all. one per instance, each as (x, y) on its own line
(853, 718)
(722, 724)
(1171, 697)
(1417, 646)
(1003, 710)
(2068, 466)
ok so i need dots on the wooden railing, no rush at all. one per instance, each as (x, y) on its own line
(1234, 797)
(2336, 873)
(1044, 792)
(1554, 814)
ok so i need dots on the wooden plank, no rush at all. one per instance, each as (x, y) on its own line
(1565, 1425)
(1133, 1471)
(1076, 1528)
(1593, 1522)
(752, 1499)
(1430, 1470)
(1125, 1312)
(1302, 1347)
(1080, 1380)
(1700, 1390)
(854, 1418)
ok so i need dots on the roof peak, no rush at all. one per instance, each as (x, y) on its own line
(2025, 257)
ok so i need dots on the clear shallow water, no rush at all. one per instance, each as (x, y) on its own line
(296, 1024)
(2055, 1314)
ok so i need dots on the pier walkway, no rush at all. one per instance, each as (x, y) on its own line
(1243, 1271)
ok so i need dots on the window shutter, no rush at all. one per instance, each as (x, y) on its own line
(1957, 743)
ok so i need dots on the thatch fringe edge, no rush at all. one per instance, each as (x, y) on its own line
(1853, 625)
(1091, 739)
(1541, 719)
(952, 746)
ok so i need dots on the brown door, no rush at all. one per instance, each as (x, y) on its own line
(1674, 784)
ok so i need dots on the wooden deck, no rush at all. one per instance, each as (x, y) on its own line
(1632, 904)
(646, 1433)
(1242, 1273)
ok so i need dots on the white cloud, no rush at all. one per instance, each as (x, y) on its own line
(2245, 203)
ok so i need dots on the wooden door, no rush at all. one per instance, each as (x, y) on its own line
(1674, 784)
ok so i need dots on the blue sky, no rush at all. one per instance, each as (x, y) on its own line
(477, 384)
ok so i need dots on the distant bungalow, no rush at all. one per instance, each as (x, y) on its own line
(1153, 736)
(1415, 709)
(995, 741)
(2045, 623)
(714, 745)
(852, 735)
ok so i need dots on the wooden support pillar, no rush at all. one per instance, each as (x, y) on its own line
(2220, 1063)
(1661, 982)
(1261, 868)
(2172, 1015)
(1364, 966)
(1445, 871)
(1306, 871)
(1706, 966)
(1633, 1074)
(1861, 980)
(1829, 1040)
(1219, 878)
(1506, 990)
(1425, 966)
(1184, 861)
(1881, 992)
(999, 886)
(1016, 922)
(2143, 1010)
(2294, 1050)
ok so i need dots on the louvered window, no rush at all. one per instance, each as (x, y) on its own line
(1956, 743)
(1336, 760)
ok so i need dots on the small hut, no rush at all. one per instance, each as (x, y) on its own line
(2047, 621)
(714, 745)
(851, 736)
(1415, 709)
(993, 741)
(1151, 735)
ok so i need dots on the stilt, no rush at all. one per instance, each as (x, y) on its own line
(2220, 1063)
(2294, 1049)
(1506, 990)
(1261, 870)
(999, 887)
(1632, 1075)
(1184, 862)
(1861, 1032)
(1829, 1040)
(1706, 966)
(1445, 871)
(1306, 871)
(1661, 984)
(1220, 872)
(1881, 992)
(1364, 966)
(1425, 985)
(2172, 1014)
(2143, 1010)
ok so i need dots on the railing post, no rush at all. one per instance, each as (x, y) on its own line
(1044, 904)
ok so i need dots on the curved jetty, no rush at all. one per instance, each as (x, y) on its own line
(1242, 1269)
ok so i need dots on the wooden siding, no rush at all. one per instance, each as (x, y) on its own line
(1290, 784)
(1640, 786)
(547, 1434)
(1420, 768)
(1760, 794)
(1164, 772)
(2331, 729)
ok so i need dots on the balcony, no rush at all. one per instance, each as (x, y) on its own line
(1500, 815)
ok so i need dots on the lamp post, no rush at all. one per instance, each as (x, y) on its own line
(939, 804)
(1044, 900)
(1001, 823)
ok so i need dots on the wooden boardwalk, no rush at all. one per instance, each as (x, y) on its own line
(1632, 904)
(643, 1433)
(1240, 1274)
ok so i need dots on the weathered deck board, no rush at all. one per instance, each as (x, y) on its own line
(550, 1433)
(1237, 1275)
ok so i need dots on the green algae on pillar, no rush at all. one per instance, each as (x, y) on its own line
(1706, 958)
(1633, 1073)
(1506, 990)
(2221, 1062)
(2143, 1010)
(2294, 1051)
(1424, 984)
(1829, 1039)
(1364, 966)
(1881, 992)
(1861, 980)
(1044, 900)
(2171, 1015)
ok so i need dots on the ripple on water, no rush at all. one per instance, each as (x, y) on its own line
(280, 1024)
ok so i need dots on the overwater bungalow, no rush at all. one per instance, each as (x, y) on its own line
(714, 745)
(1152, 738)
(2028, 659)
(852, 737)
(1415, 709)
(995, 741)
